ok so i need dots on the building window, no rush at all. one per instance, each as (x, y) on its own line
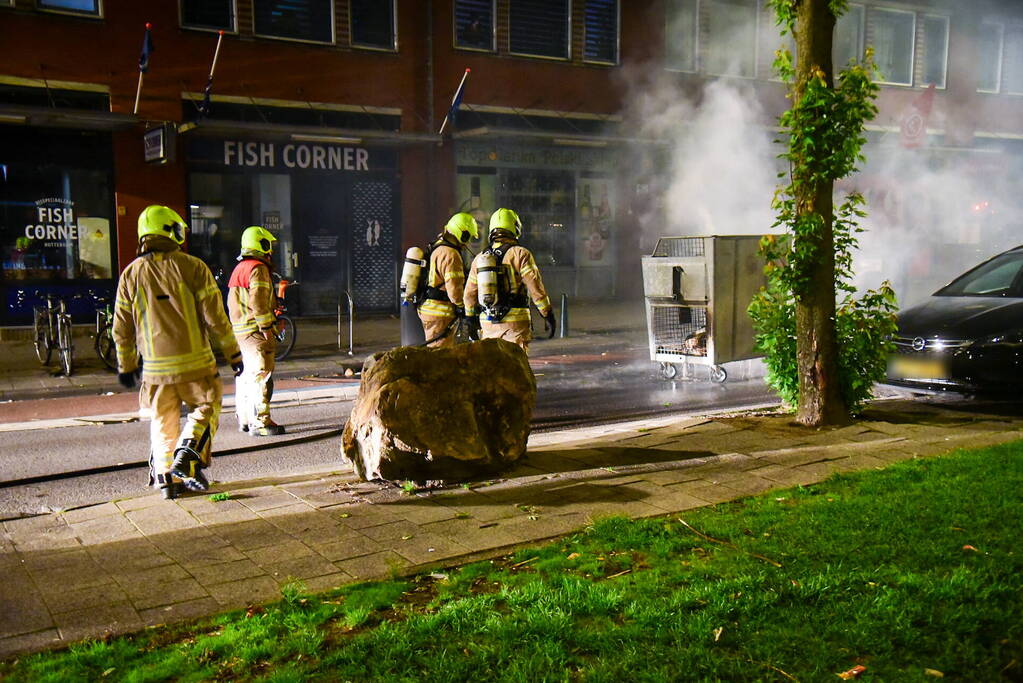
(989, 58)
(307, 20)
(474, 24)
(214, 15)
(539, 28)
(848, 45)
(935, 49)
(892, 36)
(373, 23)
(91, 7)
(601, 26)
(1012, 69)
(56, 208)
(731, 33)
(680, 35)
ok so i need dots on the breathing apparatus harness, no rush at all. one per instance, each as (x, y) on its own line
(414, 289)
(496, 297)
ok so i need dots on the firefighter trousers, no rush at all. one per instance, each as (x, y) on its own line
(163, 402)
(520, 332)
(433, 327)
(252, 388)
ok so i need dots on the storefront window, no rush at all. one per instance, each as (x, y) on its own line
(544, 202)
(475, 190)
(223, 205)
(333, 210)
(55, 215)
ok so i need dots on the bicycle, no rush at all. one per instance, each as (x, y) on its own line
(104, 332)
(51, 329)
(285, 332)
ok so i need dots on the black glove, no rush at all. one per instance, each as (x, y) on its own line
(549, 322)
(459, 312)
(127, 379)
(238, 367)
(472, 325)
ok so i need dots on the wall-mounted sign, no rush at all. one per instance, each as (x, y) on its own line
(158, 144)
(289, 156)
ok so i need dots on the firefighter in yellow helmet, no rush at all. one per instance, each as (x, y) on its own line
(251, 303)
(445, 280)
(503, 311)
(169, 310)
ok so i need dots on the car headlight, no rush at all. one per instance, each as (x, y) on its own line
(1002, 340)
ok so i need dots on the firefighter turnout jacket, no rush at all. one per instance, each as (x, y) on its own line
(251, 300)
(522, 276)
(445, 281)
(168, 310)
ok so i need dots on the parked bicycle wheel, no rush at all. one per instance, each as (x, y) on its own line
(65, 345)
(41, 336)
(286, 335)
(105, 348)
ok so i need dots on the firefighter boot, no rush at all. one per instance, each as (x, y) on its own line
(271, 428)
(188, 466)
(168, 487)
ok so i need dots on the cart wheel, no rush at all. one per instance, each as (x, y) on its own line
(668, 371)
(718, 374)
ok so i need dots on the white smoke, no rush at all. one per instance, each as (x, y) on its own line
(719, 166)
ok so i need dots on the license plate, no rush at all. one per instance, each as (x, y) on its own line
(916, 368)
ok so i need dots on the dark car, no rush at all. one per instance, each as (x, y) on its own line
(968, 336)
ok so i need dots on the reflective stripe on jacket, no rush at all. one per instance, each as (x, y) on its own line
(250, 299)
(447, 272)
(168, 310)
(523, 277)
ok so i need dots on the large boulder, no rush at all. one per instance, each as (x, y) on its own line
(436, 415)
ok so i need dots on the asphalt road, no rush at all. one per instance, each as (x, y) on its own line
(572, 390)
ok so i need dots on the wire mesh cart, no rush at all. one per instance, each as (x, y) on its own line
(697, 290)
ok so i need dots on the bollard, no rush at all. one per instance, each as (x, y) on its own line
(564, 316)
(351, 322)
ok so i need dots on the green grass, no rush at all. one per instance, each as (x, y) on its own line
(910, 569)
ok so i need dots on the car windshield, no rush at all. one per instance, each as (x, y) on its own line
(1001, 276)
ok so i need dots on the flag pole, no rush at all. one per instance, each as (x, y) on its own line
(142, 69)
(204, 106)
(216, 53)
(457, 91)
(138, 94)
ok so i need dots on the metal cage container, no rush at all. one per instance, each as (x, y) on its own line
(697, 290)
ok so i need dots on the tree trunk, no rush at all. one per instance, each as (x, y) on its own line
(820, 397)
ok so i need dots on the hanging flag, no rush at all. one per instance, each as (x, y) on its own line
(147, 49)
(204, 106)
(456, 102)
(913, 129)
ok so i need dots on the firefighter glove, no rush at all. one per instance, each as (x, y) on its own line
(127, 379)
(238, 367)
(473, 327)
(550, 323)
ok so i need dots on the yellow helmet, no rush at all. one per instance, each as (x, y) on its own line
(162, 221)
(505, 219)
(259, 239)
(461, 226)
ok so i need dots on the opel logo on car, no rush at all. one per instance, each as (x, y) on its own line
(919, 344)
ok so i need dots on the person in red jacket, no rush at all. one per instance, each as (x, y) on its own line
(251, 303)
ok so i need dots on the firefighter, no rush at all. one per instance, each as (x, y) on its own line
(502, 312)
(251, 304)
(169, 310)
(445, 280)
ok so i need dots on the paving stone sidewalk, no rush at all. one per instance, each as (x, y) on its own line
(125, 565)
